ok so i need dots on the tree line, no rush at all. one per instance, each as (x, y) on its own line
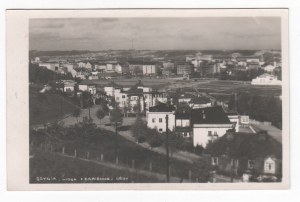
(260, 108)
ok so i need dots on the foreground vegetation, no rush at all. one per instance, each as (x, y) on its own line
(85, 137)
(50, 168)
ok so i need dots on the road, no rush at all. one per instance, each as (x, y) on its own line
(70, 120)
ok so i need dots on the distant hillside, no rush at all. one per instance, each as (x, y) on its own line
(34, 53)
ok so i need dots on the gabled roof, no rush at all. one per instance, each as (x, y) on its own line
(251, 146)
(162, 107)
(182, 116)
(210, 115)
(200, 100)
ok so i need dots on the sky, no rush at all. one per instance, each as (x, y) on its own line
(203, 33)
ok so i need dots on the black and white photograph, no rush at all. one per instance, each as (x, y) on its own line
(185, 99)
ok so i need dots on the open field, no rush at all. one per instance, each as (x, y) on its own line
(47, 107)
(229, 87)
(202, 85)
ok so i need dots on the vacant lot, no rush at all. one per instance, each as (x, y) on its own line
(45, 107)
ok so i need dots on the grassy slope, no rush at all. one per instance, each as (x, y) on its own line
(46, 107)
(102, 142)
(49, 165)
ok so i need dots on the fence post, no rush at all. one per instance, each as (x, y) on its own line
(117, 160)
(190, 175)
(87, 155)
(63, 150)
(75, 153)
(150, 166)
(51, 147)
(133, 164)
(102, 157)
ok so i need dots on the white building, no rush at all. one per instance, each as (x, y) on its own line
(266, 79)
(269, 68)
(149, 68)
(200, 102)
(156, 117)
(53, 66)
(208, 125)
(87, 85)
(69, 85)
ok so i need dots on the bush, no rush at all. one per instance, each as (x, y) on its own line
(141, 139)
(199, 150)
(155, 141)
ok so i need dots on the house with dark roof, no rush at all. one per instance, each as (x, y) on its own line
(244, 154)
(208, 125)
(156, 117)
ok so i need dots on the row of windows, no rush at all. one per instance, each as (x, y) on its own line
(160, 120)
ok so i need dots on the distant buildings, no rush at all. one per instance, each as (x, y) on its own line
(269, 68)
(266, 79)
(184, 68)
(87, 85)
(135, 96)
(149, 68)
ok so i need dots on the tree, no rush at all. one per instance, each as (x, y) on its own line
(100, 114)
(116, 119)
(76, 113)
(138, 129)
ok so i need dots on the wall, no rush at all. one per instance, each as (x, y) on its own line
(83, 87)
(162, 125)
(201, 133)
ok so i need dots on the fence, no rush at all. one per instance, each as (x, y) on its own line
(148, 168)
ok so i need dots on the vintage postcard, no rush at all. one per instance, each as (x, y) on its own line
(147, 99)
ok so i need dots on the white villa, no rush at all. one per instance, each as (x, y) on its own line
(266, 79)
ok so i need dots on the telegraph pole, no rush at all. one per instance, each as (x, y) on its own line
(235, 102)
(167, 149)
(89, 102)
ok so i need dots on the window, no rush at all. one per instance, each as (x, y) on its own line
(209, 133)
(160, 120)
(160, 130)
(214, 161)
(153, 120)
(269, 166)
(250, 164)
(123, 96)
